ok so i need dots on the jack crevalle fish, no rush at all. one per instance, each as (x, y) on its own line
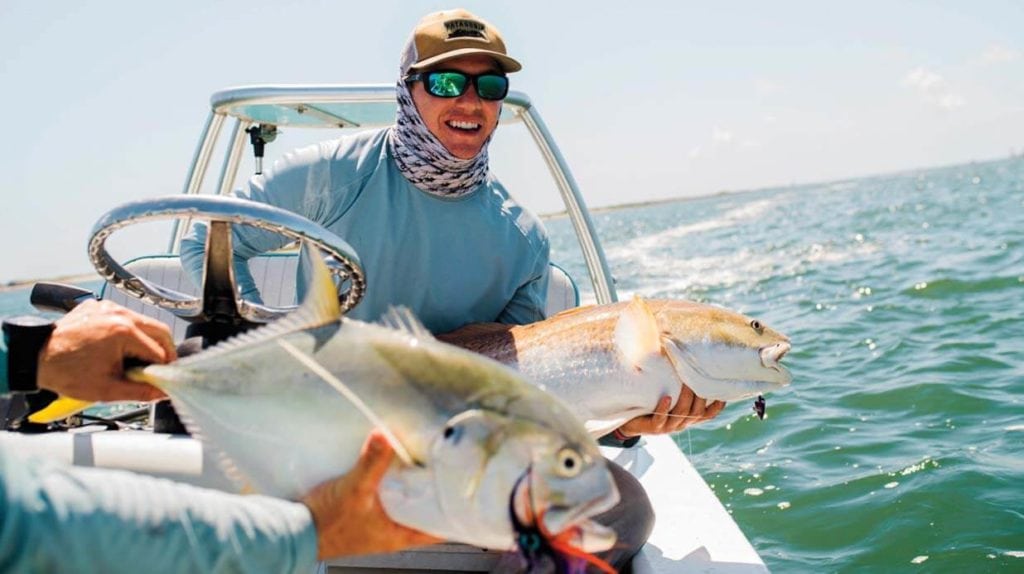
(289, 405)
(612, 363)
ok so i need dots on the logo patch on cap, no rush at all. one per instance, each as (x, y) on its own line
(464, 29)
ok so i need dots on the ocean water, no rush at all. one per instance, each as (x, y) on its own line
(900, 444)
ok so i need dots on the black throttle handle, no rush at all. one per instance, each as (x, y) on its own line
(58, 297)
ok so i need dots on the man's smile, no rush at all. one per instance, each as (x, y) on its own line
(463, 125)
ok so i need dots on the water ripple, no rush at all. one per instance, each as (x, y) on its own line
(900, 443)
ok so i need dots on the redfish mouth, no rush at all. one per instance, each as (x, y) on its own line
(772, 354)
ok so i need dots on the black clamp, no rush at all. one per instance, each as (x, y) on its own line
(259, 136)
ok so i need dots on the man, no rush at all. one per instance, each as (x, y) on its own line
(435, 231)
(55, 518)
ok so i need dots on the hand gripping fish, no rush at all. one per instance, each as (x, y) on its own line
(612, 363)
(289, 405)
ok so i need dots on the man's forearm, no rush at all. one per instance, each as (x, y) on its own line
(60, 518)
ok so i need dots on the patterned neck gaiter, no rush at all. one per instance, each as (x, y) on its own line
(424, 160)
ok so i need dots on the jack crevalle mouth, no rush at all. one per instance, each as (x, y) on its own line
(589, 535)
(569, 523)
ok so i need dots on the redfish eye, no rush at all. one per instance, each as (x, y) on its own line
(570, 463)
(757, 326)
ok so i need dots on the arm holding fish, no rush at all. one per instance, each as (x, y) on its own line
(668, 418)
(348, 513)
(529, 301)
(117, 520)
(643, 345)
(55, 515)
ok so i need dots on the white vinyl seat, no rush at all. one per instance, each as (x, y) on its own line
(562, 292)
(275, 277)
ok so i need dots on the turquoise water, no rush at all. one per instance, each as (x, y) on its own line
(900, 444)
(902, 436)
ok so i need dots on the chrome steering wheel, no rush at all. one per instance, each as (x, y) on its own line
(220, 294)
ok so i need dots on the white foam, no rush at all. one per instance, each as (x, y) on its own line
(668, 237)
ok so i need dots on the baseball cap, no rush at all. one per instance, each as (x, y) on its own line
(449, 34)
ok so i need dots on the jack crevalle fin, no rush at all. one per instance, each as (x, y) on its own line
(320, 307)
(402, 319)
(164, 376)
(59, 409)
(637, 335)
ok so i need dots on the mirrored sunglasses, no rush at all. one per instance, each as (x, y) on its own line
(452, 84)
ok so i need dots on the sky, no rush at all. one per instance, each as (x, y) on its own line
(104, 101)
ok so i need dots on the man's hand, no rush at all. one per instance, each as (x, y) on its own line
(85, 354)
(688, 410)
(347, 512)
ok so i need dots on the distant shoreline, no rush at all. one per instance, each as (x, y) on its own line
(16, 284)
(895, 172)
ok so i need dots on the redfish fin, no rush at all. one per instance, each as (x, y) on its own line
(572, 311)
(59, 409)
(637, 335)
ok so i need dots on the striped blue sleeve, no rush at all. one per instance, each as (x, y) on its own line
(60, 518)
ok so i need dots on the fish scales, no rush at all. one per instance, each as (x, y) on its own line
(613, 362)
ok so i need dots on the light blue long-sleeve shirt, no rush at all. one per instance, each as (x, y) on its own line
(477, 258)
(57, 518)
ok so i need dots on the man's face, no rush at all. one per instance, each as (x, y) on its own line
(464, 123)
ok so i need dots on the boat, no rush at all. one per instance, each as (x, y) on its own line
(693, 531)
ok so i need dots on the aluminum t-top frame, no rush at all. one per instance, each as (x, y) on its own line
(368, 106)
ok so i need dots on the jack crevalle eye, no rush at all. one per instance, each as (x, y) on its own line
(570, 463)
(453, 434)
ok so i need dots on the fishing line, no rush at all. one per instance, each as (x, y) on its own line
(342, 388)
